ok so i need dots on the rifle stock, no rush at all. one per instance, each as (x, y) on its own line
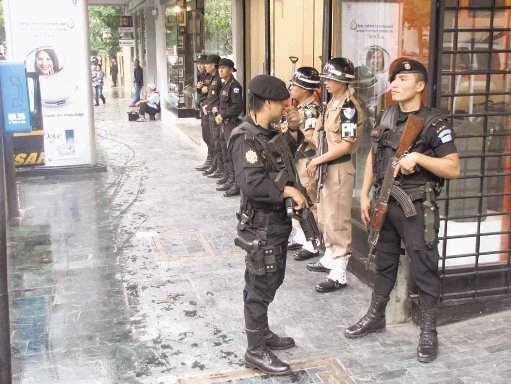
(411, 131)
(379, 216)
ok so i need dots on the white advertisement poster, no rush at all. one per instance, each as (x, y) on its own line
(371, 36)
(50, 36)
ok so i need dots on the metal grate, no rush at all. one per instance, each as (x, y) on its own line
(474, 89)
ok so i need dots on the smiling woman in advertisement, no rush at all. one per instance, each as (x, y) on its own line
(46, 61)
(57, 87)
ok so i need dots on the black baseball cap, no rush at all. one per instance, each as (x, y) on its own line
(227, 62)
(213, 59)
(409, 66)
(201, 59)
(268, 87)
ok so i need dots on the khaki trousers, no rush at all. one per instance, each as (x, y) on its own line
(334, 209)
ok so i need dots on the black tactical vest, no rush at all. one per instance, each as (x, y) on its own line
(261, 143)
(385, 139)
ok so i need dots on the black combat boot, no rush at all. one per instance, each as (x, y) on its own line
(212, 168)
(274, 341)
(259, 356)
(97, 102)
(103, 99)
(225, 177)
(219, 168)
(427, 350)
(230, 181)
(234, 191)
(372, 321)
(207, 163)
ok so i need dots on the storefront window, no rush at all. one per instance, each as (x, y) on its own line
(191, 31)
(171, 38)
(373, 34)
(218, 27)
(184, 40)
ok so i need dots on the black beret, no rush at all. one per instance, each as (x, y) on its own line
(409, 66)
(268, 88)
(213, 59)
(201, 59)
(228, 63)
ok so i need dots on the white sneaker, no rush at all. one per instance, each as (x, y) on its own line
(141, 119)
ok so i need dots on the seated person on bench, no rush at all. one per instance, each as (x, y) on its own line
(150, 104)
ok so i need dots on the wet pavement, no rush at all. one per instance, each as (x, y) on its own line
(131, 276)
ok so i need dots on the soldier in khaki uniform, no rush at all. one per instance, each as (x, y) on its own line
(343, 123)
(303, 83)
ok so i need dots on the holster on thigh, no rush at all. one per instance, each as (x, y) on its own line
(252, 237)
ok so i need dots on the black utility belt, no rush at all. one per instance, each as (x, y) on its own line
(341, 159)
(266, 210)
(259, 217)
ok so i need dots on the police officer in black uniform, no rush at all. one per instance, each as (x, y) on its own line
(203, 80)
(231, 105)
(420, 174)
(216, 170)
(263, 228)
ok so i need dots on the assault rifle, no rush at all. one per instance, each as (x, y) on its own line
(411, 131)
(287, 175)
(320, 150)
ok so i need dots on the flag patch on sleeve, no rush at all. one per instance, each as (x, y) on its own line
(445, 135)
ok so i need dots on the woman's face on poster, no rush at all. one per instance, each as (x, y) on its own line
(377, 61)
(44, 63)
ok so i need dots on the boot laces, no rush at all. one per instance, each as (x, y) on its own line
(266, 354)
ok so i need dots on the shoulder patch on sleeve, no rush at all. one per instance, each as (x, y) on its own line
(313, 111)
(236, 90)
(251, 156)
(445, 135)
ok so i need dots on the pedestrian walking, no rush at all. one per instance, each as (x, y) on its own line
(97, 82)
(138, 82)
(420, 173)
(343, 121)
(263, 227)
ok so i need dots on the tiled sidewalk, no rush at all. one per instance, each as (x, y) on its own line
(131, 276)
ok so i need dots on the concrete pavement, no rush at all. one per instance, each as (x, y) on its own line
(131, 276)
